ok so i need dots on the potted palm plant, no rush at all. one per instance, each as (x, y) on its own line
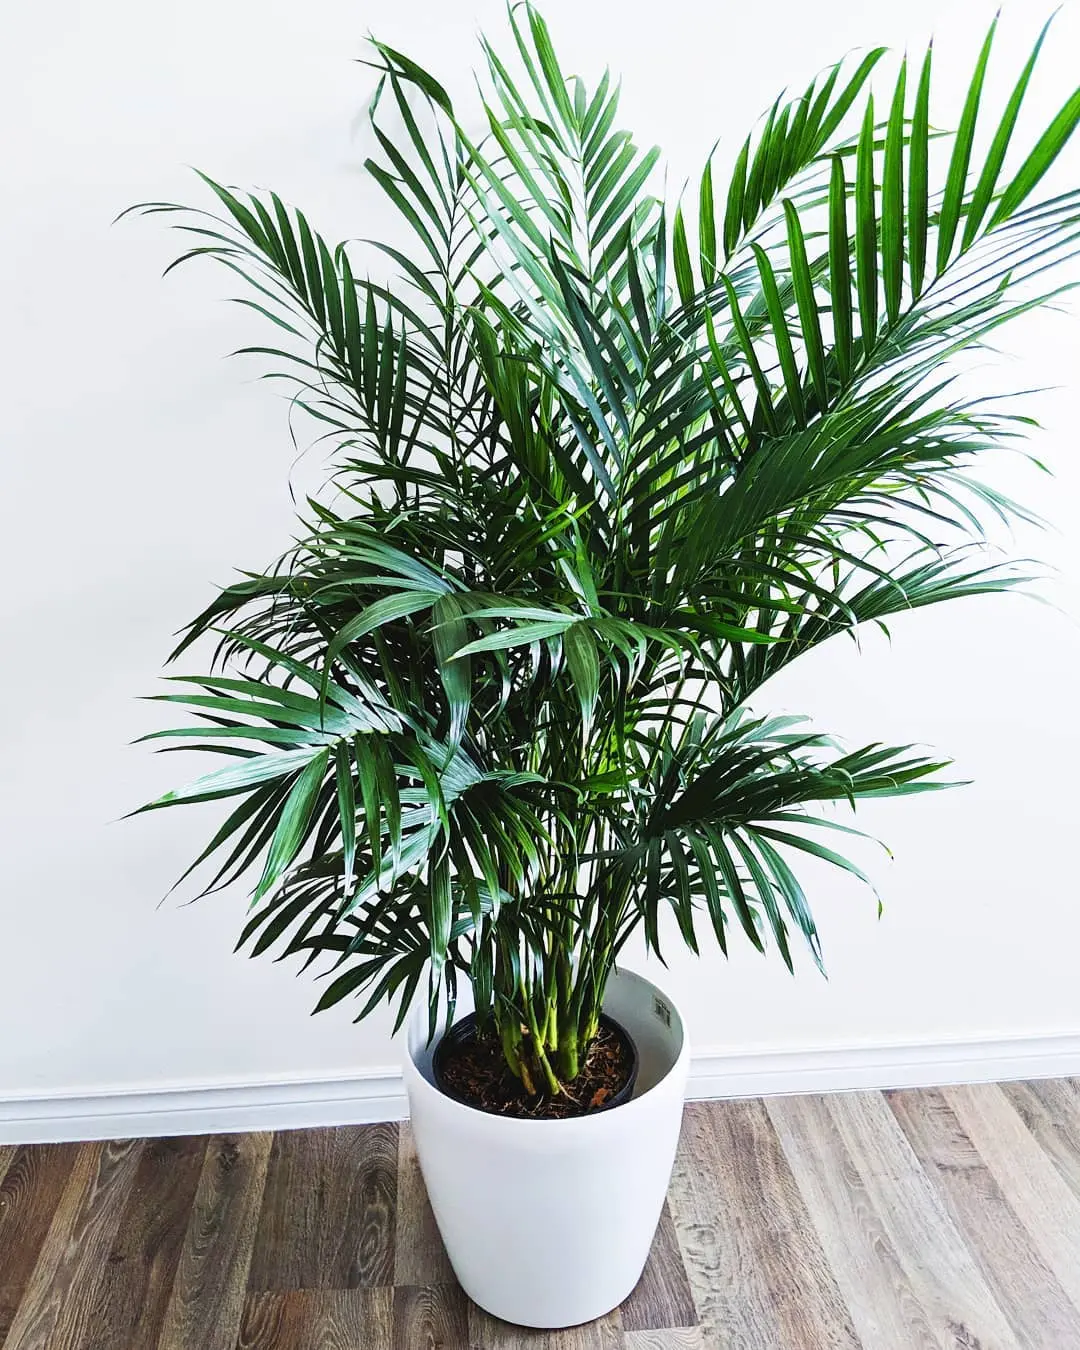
(600, 467)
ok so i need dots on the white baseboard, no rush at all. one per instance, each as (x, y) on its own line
(378, 1094)
(204, 1109)
(765, 1073)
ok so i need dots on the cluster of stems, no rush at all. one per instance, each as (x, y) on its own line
(546, 1003)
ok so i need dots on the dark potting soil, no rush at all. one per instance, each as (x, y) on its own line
(475, 1072)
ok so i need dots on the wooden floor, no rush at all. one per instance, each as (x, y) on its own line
(938, 1219)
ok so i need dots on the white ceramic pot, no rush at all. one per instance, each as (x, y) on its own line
(548, 1223)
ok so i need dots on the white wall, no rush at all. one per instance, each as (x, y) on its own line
(140, 467)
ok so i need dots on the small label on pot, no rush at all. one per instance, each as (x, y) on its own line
(662, 1010)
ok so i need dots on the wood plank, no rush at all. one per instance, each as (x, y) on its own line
(1037, 1307)
(30, 1190)
(1033, 1300)
(431, 1317)
(1028, 1178)
(685, 1338)
(206, 1305)
(60, 1307)
(662, 1297)
(756, 1268)
(329, 1211)
(1050, 1110)
(9, 1302)
(145, 1254)
(490, 1333)
(871, 1274)
(940, 1269)
(419, 1255)
(318, 1319)
(9, 1298)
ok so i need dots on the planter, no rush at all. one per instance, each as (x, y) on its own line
(548, 1223)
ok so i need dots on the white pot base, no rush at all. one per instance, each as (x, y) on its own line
(549, 1223)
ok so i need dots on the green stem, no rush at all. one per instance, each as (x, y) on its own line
(537, 1047)
(526, 1078)
(568, 1059)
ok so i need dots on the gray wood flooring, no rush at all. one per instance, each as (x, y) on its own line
(940, 1219)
